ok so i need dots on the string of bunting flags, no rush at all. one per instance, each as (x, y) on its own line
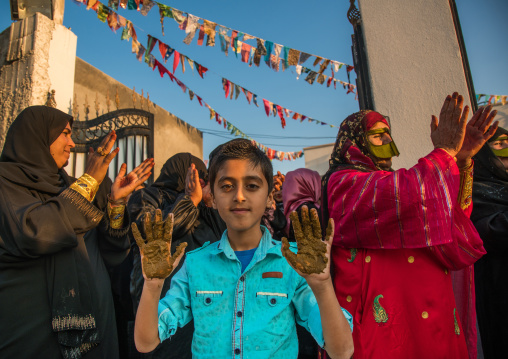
(491, 99)
(274, 55)
(116, 22)
(230, 88)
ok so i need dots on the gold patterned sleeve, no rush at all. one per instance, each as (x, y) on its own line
(466, 186)
(116, 214)
(87, 186)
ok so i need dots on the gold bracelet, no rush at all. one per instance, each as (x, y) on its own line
(466, 186)
(116, 215)
(87, 186)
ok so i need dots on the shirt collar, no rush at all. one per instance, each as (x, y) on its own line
(267, 245)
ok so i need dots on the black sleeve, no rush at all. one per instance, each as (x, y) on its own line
(113, 243)
(30, 228)
(185, 215)
(493, 230)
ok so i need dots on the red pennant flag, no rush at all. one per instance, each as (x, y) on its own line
(226, 85)
(176, 60)
(199, 100)
(201, 70)
(248, 95)
(281, 115)
(245, 52)
(171, 77)
(268, 106)
(218, 119)
(163, 48)
(201, 35)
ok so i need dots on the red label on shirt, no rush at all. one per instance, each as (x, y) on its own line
(272, 275)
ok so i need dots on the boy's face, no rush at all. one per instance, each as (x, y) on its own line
(241, 195)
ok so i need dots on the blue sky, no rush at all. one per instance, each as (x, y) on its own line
(319, 28)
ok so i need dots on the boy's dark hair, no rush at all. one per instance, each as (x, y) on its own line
(240, 149)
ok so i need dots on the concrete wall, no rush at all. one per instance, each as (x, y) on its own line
(172, 135)
(316, 157)
(36, 56)
(414, 62)
(502, 115)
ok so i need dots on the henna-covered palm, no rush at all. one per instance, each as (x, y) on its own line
(311, 257)
(157, 261)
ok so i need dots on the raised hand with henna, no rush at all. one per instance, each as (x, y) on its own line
(156, 258)
(312, 258)
(478, 131)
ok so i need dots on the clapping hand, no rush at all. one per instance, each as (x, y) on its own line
(126, 184)
(478, 131)
(156, 259)
(448, 132)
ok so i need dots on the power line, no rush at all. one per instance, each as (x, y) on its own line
(213, 132)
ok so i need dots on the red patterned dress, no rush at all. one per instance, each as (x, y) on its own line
(398, 237)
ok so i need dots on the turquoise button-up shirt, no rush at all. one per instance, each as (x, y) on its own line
(249, 315)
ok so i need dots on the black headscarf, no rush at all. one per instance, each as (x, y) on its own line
(490, 182)
(174, 171)
(26, 161)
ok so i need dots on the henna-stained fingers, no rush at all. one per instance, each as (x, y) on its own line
(316, 225)
(158, 225)
(148, 226)
(137, 236)
(168, 228)
(307, 229)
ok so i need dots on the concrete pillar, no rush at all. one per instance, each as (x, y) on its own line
(37, 56)
(414, 61)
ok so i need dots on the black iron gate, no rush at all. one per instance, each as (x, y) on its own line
(134, 130)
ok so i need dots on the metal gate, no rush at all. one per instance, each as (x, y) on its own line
(134, 130)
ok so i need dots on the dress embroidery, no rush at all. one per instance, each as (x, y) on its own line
(466, 187)
(353, 255)
(379, 312)
(457, 328)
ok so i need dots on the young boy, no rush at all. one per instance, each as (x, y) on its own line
(241, 292)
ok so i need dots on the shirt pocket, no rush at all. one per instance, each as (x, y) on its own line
(272, 299)
(208, 297)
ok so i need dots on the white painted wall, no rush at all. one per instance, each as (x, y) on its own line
(62, 62)
(316, 157)
(414, 62)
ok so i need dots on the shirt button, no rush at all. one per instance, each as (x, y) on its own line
(273, 301)
(237, 351)
(242, 278)
(367, 259)
(349, 299)
(208, 300)
(239, 314)
(446, 271)
(425, 315)
(411, 259)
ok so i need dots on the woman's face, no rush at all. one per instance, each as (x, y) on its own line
(60, 149)
(378, 140)
(499, 145)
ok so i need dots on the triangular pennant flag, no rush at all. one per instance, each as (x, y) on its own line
(176, 61)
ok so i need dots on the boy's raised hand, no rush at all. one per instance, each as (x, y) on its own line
(313, 253)
(156, 259)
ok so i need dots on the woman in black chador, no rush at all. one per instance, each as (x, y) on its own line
(56, 240)
(490, 217)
